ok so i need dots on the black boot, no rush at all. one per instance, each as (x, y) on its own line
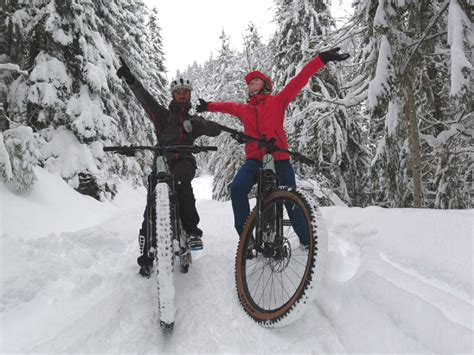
(146, 265)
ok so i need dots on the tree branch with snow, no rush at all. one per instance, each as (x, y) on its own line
(14, 68)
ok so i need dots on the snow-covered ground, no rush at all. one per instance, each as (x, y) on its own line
(397, 281)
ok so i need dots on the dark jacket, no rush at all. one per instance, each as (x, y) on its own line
(168, 123)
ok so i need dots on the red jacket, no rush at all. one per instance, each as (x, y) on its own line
(264, 113)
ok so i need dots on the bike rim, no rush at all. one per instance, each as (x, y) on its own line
(269, 287)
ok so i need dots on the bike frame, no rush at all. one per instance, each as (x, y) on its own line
(268, 238)
(161, 174)
(267, 181)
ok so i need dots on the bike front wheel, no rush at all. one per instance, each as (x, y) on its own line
(165, 255)
(276, 279)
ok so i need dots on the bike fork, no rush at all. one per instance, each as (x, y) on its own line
(149, 247)
(269, 226)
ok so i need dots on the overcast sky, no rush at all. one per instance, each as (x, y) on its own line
(191, 28)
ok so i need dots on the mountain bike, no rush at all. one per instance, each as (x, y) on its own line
(165, 239)
(282, 247)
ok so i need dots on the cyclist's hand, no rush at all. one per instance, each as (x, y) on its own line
(124, 72)
(332, 55)
(202, 107)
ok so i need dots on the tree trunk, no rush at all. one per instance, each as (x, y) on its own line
(413, 137)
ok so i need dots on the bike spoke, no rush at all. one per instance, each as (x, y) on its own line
(266, 286)
(272, 282)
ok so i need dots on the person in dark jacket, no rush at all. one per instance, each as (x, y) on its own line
(263, 114)
(174, 125)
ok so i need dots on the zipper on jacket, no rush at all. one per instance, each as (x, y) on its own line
(181, 130)
(258, 130)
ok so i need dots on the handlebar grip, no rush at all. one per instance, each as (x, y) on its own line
(128, 151)
(209, 148)
(229, 130)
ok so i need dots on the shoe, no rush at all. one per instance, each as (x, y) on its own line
(146, 265)
(195, 242)
(145, 271)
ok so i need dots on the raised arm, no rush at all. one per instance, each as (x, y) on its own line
(289, 92)
(157, 113)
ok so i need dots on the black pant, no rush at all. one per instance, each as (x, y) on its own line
(183, 171)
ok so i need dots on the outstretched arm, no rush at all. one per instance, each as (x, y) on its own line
(231, 108)
(198, 126)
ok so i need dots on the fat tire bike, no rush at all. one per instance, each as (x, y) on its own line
(276, 274)
(166, 238)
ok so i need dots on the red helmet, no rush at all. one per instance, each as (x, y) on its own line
(260, 75)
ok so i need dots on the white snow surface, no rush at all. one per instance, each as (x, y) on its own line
(396, 281)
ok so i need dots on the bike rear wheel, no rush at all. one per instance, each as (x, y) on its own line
(275, 286)
(165, 255)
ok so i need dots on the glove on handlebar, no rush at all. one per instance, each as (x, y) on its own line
(124, 72)
(332, 55)
(202, 106)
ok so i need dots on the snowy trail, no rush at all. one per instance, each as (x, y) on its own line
(79, 291)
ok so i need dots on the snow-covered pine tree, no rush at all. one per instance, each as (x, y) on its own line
(318, 121)
(225, 84)
(19, 154)
(6, 171)
(448, 130)
(257, 54)
(362, 43)
(155, 58)
(72, 98)
(422, 157)
(18, 148)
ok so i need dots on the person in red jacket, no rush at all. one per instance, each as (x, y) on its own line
(263, 114)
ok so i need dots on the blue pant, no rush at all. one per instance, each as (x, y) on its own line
(243, 181)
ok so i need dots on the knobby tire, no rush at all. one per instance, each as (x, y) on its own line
(302, 287)
(164, 262)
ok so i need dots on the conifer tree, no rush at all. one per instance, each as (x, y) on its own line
(155, 58)
(18, 156)
(318, 121)
(71, 97)
(257, 54)
(422, 157)
(226, 85)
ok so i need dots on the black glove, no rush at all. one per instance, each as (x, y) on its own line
(332, 55)
(124, 72)
(202, 107)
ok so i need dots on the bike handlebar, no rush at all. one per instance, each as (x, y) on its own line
(268, 144)
(130, 150)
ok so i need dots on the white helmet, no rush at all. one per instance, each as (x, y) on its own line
(180, 84)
